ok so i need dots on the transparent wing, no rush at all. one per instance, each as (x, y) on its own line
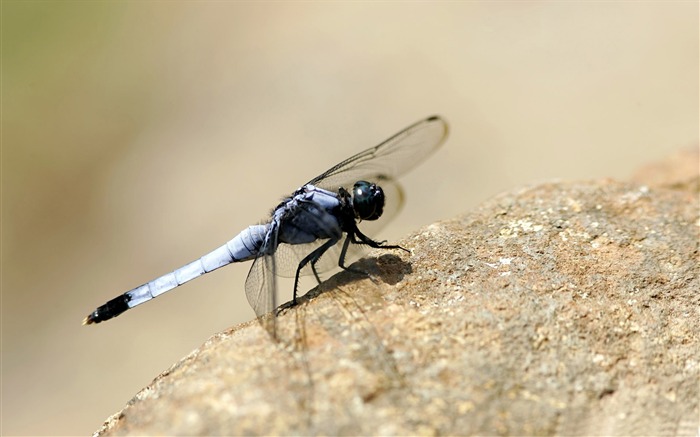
(288, 256)
(381, 165)
(388, 160)
(261, 283)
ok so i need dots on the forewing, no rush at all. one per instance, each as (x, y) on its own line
(388, 160)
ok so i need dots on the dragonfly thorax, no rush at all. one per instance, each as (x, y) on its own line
(367, 200)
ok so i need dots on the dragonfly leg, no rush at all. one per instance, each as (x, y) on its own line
(313, 269)
(375, 244)
(312, 258)
(363, 239)
(341, 261)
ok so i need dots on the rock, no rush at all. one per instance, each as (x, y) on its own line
(562, 308)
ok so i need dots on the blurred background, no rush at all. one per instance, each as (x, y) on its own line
(137, 136)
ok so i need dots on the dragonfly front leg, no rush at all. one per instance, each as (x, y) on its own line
(363, 240)
(312, 258)
(374, 244)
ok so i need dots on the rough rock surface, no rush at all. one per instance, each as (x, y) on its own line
(563, 308)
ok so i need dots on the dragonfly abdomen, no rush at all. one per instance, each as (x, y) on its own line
(242, 247)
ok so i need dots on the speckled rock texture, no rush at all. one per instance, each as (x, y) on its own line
(563, 308)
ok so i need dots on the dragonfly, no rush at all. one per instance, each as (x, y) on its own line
(304, 232)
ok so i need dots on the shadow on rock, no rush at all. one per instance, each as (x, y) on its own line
(388, 268)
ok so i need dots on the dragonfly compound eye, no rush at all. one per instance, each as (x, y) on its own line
(367, 200)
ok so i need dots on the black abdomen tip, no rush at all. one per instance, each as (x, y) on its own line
(109, 310)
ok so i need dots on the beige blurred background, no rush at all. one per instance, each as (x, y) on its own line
(138, 136)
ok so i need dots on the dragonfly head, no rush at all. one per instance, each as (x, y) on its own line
(367, 200)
